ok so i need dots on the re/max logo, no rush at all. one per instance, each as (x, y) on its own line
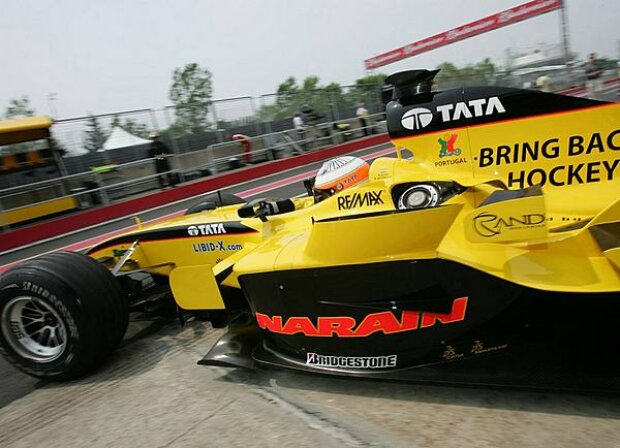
(367, 199)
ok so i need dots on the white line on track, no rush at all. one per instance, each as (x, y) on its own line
(244, 194)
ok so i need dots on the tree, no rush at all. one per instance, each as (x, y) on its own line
(19, 108)
(367, 90)
(191, 95)
(292, 98)
(451, 76)
(447, 72)
(116, 122)
(333, 93)
(286, 94)
(607, 63)
(325, 101)
(95, 136)
(131, 126)
(370, 81)
(485, 68)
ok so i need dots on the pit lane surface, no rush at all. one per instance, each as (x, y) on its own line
(151, 393)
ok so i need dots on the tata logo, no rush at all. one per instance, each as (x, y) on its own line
(420, 117)
(489, 225)
(481, 107)
(206, 229)
(417, 118)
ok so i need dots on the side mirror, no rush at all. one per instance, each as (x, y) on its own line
(309, 186)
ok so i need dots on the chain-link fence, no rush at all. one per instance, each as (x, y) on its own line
(98, 140)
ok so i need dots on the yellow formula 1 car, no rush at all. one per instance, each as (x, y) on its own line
(501, 235)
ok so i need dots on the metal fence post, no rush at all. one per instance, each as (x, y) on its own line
(104, 194)
(266, 123)
(333, 101)
(256, 121)
(154, 120)
(217, 127)
(3, 218)
(173, 139)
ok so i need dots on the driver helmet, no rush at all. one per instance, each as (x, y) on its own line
(337, 174)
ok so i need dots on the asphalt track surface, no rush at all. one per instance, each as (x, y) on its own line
(151, 393)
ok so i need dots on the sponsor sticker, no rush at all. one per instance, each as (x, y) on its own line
(446, 143)
(385, 322)
(420, 117)
(207, 229)
(417, 118)
(449, 151)
(16, 330)
(216, 246)
(384, 173)
(481, 107)
(450, 353)
(351, 362)
(574, 147)
(358, 200)
(479, 348)
(489, 224)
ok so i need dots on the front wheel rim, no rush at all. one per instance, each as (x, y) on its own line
(34, 329)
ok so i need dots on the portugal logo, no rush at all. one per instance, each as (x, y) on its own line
(447, 145)
(417, 118)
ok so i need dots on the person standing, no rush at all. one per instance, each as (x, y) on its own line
(543, 83)
(246, 144)
(362, 115)
(300, 127)
(160, 152)
(593, 75)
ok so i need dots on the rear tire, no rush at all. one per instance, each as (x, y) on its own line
(212, 201)
(61, 314)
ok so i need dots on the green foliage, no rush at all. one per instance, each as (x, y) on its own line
(191, 92)
(94, 136)
(19, 108)
(370, 81)
(336, 102)
(452, 76)
(607, 63)
(367, 91)
(325, 101)
(174, 130)
(131, 126)
(269, 112)
(286, 98)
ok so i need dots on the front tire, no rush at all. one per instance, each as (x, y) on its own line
(61, 314)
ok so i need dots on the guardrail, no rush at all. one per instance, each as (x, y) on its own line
(111, 183)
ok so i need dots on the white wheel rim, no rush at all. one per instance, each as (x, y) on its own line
(34, 329)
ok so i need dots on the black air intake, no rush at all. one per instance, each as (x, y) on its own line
(411, 82)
